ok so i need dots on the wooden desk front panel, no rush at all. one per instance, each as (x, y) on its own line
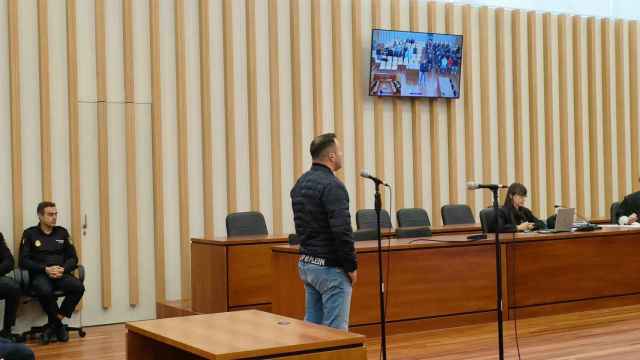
(545, 272)
(250, 279)
(422, 283)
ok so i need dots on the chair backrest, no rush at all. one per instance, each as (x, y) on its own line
(367, 219)
(413, 217)
(246, 223)
(365, 234)
(293, 239)
(488, 220)
(413, 232)
(454, 214)
(613, 211)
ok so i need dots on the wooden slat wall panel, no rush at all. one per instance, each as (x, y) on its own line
(16, 122)
(452, 119)
(594, 116)
(518, 101)
(398, 131)
(316, 46)
(229, 104)
(207, 136)
(468, 96)
(359, 93)
(534, 134)
(378, 106)
(607, 107)
(336, 47)
(130, 145)
(485, 101)
(252, 104)
(501, 60)
(45, 99)
(579, 115)
(103, 155)
(274, 93)
(548, 42)
(157, 150)
(621, 105)
(563, 94)
(634, 112)
(416, 124)
(296, 90)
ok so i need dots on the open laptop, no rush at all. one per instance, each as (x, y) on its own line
(564, 221)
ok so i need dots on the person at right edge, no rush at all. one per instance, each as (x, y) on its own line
(328, 264)
(50, 257)
(515, 216)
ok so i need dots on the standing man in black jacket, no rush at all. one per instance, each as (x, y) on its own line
(328, 265)
(50, 257)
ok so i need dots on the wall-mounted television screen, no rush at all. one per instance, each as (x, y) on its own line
(415, 64)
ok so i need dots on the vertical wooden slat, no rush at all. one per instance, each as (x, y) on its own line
(229, 104)
(485, 101)
(252, 104)
(634, 94)
(416, 125)
(502, 95)
(274, 111)
(621, 109)
(157, 150)
(607, 111)
(16, 122)
(336, 46)
(316, 56)
(452, 119)
(547, 43)
(593, 116)
(468, 96)
(398, 132)
(358, 94)
(296, 87)
(74, 137)
(130, 148)
(45, 99)
(518, 106)
(434, 115)
(183, 151)
(207, 136)
(378, 105)
(533, 111)
(103, 154)
(565, 87)
(578, 113)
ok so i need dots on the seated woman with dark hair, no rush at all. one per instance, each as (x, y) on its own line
(514, 215)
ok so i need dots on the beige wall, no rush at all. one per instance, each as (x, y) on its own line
(166, 114)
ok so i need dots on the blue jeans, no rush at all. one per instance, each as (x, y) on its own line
(327, 295)
(9, 350)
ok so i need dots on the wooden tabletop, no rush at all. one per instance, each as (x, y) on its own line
(240, 334)
(461, 240)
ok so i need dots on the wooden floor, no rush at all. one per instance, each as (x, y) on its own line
(602, 334)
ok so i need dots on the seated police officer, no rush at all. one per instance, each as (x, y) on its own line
(50, 257)
(9, 290)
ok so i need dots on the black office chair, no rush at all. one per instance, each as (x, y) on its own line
(365, 234)
(22, 276)
(455, 214)
(413, 217)
(488, 220)
(293, 239)
(413, 232)
(367, 219)
(614, 212)
(246, 223)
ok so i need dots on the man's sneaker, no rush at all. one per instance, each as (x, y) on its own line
(61, 333)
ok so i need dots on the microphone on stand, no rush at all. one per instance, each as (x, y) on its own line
(365, 174)
(474, 185)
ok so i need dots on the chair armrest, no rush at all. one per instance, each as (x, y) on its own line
(81, 272)
(21, 276)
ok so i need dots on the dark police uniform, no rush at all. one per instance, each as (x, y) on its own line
(9, 288)
(40, 250)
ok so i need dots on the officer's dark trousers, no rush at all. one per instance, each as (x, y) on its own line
(44, 287)
(12, 351)
(10, 293)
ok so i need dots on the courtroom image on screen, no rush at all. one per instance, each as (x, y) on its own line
(415, 64)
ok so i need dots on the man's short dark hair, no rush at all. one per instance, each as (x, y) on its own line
(43, 205)
(320, 144)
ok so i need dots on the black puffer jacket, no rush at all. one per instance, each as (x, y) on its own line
(321, 214)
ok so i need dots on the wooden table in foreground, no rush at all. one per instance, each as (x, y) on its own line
(445, 281)
(245, 334)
